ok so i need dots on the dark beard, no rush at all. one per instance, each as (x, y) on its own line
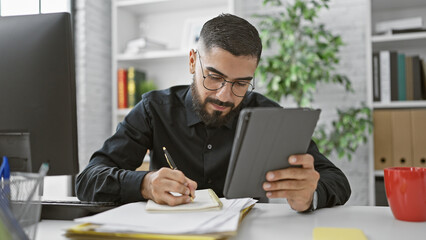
(215, 119)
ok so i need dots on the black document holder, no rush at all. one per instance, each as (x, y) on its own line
(264, 140)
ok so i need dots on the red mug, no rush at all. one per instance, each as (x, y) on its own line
(406, 192)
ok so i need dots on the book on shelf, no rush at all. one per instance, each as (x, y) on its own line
(415, 30)
(131, 84)
(399, 24)
(376, 77)
(135, 81)
(122, 88)
(423, 75)
(417, 82)
(397, 77)
(401, 78)
(385, 76)
(409, 77)
(394, 76)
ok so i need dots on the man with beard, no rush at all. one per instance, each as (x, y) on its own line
(197, 125)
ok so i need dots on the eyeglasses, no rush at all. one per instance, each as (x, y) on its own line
(213, 82)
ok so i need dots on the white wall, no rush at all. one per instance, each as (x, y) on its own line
(348, 19)
(93, 57)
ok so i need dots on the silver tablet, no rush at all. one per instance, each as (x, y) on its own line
(264, 139)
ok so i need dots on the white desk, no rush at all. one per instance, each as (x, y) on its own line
(278, 221)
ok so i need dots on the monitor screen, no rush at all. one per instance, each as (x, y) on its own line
(38, 120)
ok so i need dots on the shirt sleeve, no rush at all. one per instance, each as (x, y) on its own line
(333, 186)
(110, 175)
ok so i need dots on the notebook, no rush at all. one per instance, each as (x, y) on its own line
(205, 199)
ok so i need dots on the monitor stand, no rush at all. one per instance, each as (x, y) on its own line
(16, 146)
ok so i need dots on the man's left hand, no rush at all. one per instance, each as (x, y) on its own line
(296, 184)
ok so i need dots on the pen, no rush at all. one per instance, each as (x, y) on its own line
(172, 164)
(169, 159)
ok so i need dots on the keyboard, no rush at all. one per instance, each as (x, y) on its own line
(69, 208)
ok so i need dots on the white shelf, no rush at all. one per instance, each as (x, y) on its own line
(401, 104)
(124, 3)
(379, 173)
(123, 111)
(155, 6)
(160, 54)
(398, 37)
(399, 42)
(395, 4)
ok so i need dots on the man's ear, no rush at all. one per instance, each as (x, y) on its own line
(192, 61)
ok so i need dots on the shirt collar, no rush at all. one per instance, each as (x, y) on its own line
(192, 117)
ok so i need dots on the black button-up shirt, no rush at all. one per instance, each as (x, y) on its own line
(166, 119)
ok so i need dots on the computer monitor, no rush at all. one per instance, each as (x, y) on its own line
(38, 120)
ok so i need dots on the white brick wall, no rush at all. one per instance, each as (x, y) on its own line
(93, 57)
(348, 19)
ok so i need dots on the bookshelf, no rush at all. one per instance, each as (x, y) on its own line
(165, 21)
(400, 104)
(408, 43)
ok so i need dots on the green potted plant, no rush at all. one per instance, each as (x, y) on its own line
(306, 53)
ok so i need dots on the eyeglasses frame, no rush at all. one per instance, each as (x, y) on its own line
(224, 80)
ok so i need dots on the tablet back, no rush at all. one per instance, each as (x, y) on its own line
(264, 140)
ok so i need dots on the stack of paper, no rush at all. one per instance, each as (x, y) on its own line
(132, 220)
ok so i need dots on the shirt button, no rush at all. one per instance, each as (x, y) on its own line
(209, 181)
(209, 146)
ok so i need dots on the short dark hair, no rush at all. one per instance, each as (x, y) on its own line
(233, 34)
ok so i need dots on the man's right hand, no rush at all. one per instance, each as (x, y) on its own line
(158, 186)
